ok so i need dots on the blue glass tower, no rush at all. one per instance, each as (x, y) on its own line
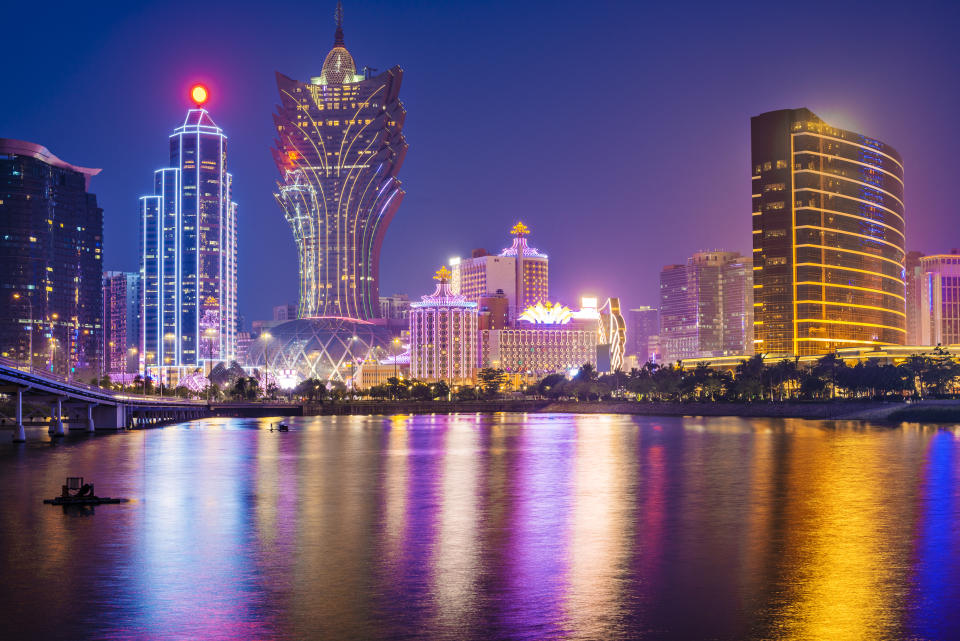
(188, 254)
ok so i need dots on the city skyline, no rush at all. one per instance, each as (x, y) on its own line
(646, 205)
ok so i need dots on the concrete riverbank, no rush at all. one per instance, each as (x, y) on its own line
(829, 410)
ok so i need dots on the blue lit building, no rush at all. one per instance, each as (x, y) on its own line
(188, 264)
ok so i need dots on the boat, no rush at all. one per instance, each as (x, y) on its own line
(283, 427)
(76, 492)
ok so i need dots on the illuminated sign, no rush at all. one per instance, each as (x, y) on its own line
(199, 94)
(547, 314)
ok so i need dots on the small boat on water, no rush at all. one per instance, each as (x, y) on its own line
(76, 492)
(283, 427)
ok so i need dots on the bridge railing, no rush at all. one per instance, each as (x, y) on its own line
(51, 376)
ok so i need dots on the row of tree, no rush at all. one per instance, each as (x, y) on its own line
(920, 375)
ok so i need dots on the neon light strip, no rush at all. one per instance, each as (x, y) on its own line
(855, 324)
(858, 182)
(846, 142)
(855, 162)
(852, 251)
(841, 213)
(859, 200)
(853, 269)
(864, 289)
(850, 233)
(840, 304)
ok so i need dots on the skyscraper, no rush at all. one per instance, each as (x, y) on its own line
(914, 283)
(443, 334)
(338, 150)
(940, 300)
(51, 244)
(519, 271)
(703, 306)
(121, 322)
(828, 236)
(642, 323)
(188, 265)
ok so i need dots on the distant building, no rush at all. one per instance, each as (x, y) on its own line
(494, 311)
(443, 334)
(520, 272)
(51, 255)
(121, 322)
(914, 286)
(697, 319)
(395, 307)
(285, 312)
(371, 372)
(940, 300)
(611, 337)
(828, 237)
(642, 323)
(188, 266)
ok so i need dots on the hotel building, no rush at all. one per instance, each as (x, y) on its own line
(121, 322)
(51, 251)
(188, 266)
(828, 236)
(338, 150)
(520, 272)
(642, 323)
(443, 334)
(940, 300)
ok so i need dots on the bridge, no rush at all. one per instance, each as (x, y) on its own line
(93, 407)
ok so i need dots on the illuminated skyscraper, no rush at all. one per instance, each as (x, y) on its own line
(339, 147)
(519, 271)
(443, 334)
(828, 236)
(51, 255)
(939, 300)
(188, 265)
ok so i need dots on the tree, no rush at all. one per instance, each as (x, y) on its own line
(441, 390)
(491, 381)
(421, 391)
(551, 385)
(466, 393)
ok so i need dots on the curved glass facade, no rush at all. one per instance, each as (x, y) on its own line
(828, 237)
(324, 348)
(338, 150)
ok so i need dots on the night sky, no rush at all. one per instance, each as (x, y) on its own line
(619, 132)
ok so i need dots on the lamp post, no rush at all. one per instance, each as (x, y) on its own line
(18, 296)
(169, 336)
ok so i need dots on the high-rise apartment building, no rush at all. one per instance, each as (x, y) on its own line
(121, 322)
(188, 265)
(443, 334)
(914, 285)
(395, 307)
(339, 148)
(642, 323)
(520, 272)
(705, 306)
(51, 255)
(828, 236)
(940, 300)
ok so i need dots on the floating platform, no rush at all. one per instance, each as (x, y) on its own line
(83, 500)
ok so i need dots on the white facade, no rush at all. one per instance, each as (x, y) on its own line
(443, 335)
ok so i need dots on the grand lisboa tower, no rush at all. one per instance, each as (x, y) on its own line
(338, 149)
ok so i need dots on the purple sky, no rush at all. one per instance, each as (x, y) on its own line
(619, 132)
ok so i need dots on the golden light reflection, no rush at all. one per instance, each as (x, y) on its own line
(456, 560)
(396, 485)
(599, 534)
(842, 562)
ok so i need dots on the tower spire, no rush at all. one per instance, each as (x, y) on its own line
(338, 35)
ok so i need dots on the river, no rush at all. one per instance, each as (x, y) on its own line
(505, 526)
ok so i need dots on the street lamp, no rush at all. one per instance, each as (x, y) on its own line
(169, 336)
(18, 296)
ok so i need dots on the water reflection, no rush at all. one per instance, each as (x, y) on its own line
(489, 526)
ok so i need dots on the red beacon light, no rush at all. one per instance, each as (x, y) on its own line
(199, 94)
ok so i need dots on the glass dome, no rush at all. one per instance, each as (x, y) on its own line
(325, 348)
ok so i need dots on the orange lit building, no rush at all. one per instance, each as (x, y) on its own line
(828, 237)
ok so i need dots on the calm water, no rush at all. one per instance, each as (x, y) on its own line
(488, 527)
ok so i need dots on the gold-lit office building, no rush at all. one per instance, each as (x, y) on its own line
(828, 237)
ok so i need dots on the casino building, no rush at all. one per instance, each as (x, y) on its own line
(443, 334)
(338, 149)
(188, 257)
(828, 237)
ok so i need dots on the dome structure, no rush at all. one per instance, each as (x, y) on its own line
(327, 348)
(338, 66)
